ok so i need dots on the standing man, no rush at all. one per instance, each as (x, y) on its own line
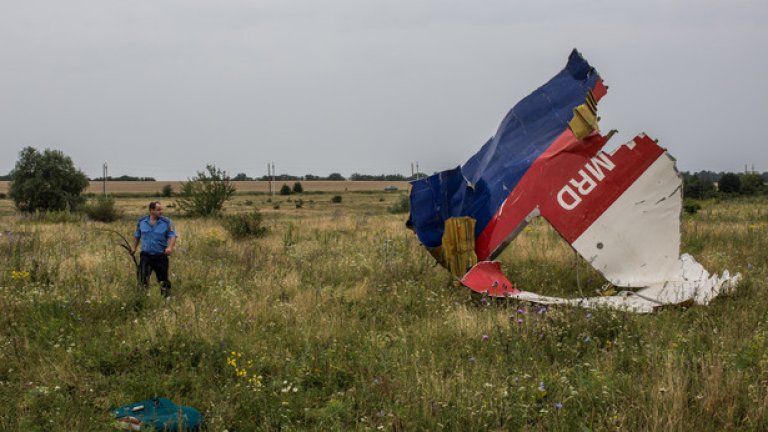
(158, 238)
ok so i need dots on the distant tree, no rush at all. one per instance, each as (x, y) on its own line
(310, 177)
(708, 175)
(336, 177)
(752, 184)
(6, 177)
(124, 178)
(46, 181)
(281, 177)
(378, 177)
(729, 183)
(241, 177)
(206, 193)
(285, 190)
(416, 176)
(298, 188)
(697, 188)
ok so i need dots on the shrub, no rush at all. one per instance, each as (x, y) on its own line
(244, 225)
(336, 199)
(205, 194)
(691, 207)
(102, 209)
(2, 195)
(46, 181)
(167, 191)
(403, 205)
(285, 190)
(298, 188)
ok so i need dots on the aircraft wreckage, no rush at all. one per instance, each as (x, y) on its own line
(620, 211)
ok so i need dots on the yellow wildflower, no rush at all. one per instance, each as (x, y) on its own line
(19, 275)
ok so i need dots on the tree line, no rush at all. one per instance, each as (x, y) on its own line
(331, 177)
(708, 184)
(49, 180)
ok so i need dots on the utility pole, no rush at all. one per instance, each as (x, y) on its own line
(411, 169)
(104, 179)
(273, 179)
(417, 171)
(269, 178)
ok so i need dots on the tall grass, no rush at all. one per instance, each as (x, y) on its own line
(338, 320)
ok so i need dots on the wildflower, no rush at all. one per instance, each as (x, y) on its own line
(541, 387)
(589, 315)
(484, 300)
(558, 405)
(521, 311)
(19, 275)
(486, 337)
(519, 321)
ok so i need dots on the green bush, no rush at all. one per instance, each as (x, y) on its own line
(102, 209)
(205, 194)
(244, 225)
(167, 191)
(403, 205)
(298, 188)
(285, 190)
(691, 207)
(336, 199)
(46, 181)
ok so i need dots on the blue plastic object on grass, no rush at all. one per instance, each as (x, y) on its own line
(160, 414)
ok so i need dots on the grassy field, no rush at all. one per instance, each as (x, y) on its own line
(339, 320)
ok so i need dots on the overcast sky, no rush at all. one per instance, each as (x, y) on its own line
(163, 87)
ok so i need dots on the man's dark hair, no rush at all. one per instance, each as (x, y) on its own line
(153, 204)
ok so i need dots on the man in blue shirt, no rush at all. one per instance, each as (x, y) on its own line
(158, 238)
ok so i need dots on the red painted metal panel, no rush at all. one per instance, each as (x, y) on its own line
(486, 278)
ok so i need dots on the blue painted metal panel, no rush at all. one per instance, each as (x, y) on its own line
(479, 187)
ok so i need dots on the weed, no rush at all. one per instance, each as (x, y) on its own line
(244, 225)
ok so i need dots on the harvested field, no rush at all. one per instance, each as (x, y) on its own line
(138, 187)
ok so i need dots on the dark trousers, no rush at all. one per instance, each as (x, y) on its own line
(158, 264)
